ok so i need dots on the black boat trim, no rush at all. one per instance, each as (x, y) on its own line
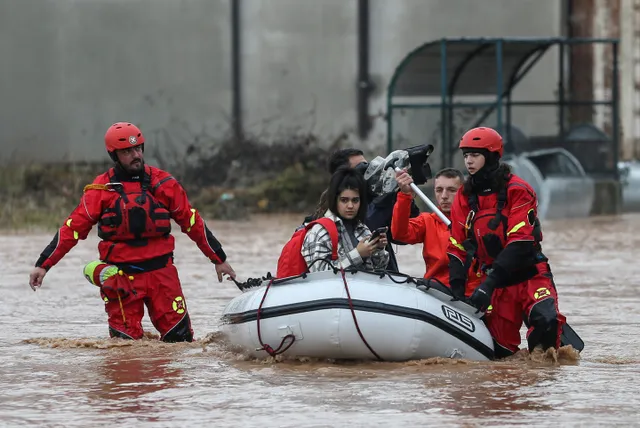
(367, 306)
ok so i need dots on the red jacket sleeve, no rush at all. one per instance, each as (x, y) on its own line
(522, 214)
(405, 229)
(76, 227)
(459, 212)
(173, 195)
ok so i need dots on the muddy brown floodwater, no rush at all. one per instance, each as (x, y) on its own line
(58, 367)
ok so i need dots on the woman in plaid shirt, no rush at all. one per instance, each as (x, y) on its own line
(348, 209)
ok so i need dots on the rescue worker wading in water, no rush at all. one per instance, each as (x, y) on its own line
(133, 205)
(494, 219)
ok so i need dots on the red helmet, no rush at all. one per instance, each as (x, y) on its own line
(482, 138)
(122, 135)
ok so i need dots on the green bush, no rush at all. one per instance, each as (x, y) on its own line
(227, 179)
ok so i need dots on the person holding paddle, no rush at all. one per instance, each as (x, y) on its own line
(494, 220)
(428, 229)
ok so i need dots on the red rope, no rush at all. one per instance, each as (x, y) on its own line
(353, 314)
(280, 349)
(264, 346)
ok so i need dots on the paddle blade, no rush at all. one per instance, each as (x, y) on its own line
(570, 337)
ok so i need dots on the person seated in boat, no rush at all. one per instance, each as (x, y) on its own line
(347, 207)
(494, 220)
(379, 207)
(428, 229)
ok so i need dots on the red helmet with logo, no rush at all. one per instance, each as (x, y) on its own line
(482, 138)
(122, 135)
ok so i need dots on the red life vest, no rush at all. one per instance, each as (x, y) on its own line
(133, 214)
(486, 226)
(291, 262)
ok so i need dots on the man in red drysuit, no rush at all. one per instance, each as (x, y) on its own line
(428, 229)
(133, 205)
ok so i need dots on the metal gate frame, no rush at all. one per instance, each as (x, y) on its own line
(419, 72)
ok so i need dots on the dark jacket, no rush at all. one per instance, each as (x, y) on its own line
(379, 214)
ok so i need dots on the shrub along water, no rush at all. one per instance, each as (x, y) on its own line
(229, 179)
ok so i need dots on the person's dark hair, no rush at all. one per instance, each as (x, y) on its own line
(347, 178)
(322, 205)
(450, 173)
(341, 158)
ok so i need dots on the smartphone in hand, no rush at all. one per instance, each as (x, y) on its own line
(376, 233)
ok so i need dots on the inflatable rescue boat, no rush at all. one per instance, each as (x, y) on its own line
(355, 315)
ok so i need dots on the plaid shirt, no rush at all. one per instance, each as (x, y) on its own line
(317, 245)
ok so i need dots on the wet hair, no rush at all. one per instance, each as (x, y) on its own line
(450, 173)
(341, 158)
(343, 179)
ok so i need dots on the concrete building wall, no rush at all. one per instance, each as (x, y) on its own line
(70, 68)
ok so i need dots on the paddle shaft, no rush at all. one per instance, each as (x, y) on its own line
(427, 201)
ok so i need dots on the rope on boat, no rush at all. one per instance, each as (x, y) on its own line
(290, 338)
(264, 346)
(353, 314)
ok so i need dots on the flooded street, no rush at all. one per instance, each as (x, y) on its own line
(58, 367)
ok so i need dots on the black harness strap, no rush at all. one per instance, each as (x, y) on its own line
(502, 202)
(470, 245)
(118, 187)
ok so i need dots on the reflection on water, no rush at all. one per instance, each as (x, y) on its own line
(59, 368)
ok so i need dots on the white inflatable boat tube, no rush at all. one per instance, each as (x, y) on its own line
(375, 316)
